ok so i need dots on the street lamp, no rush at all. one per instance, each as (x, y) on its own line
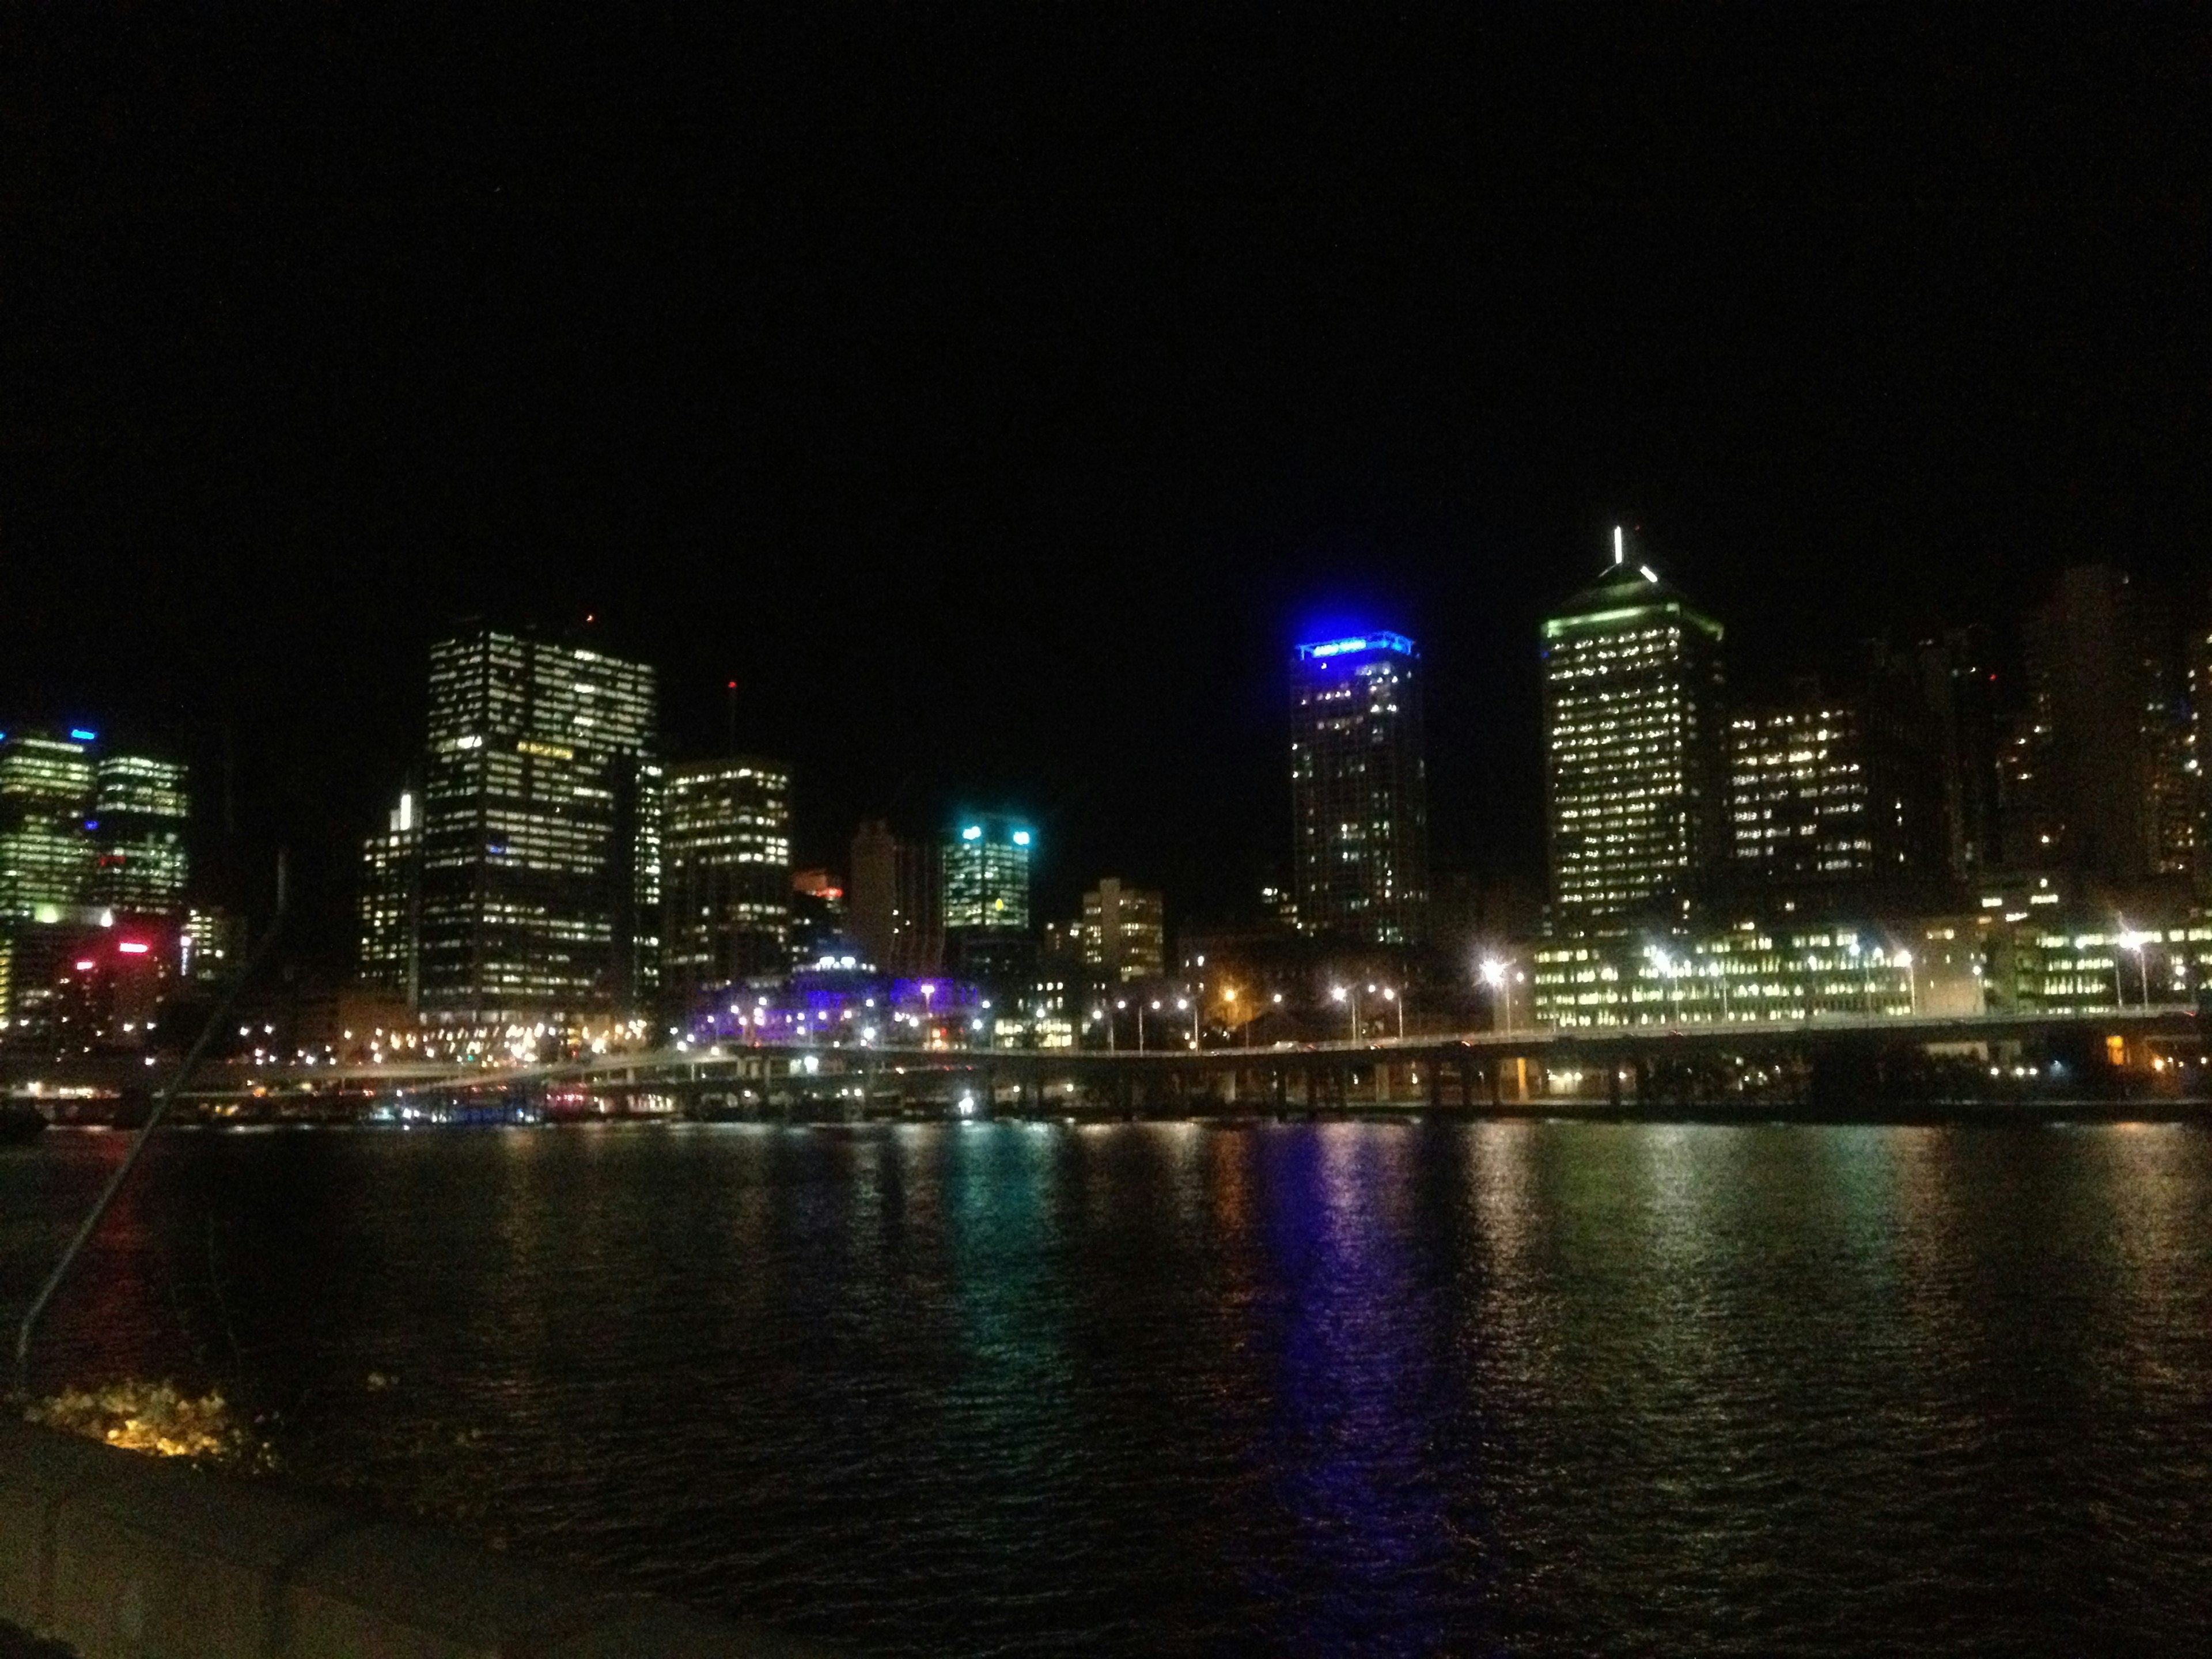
(1229, 996)
(1911, 980)
(1494, 975)
(1339, 994)
(1185, 1002)
(1141, 1022)
(1391, 996)
(2132, 941)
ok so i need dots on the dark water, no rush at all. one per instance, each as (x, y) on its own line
(1342, 1389)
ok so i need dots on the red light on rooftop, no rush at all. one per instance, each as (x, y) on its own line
(134, 947)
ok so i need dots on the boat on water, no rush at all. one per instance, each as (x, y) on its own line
(20, 1121)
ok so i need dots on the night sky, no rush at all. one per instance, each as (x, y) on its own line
(995, 395)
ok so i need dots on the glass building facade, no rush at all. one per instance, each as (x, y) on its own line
(391, 894)
(1633, 754)
(1359, 820)
(1799, 812)
(1750, 974)
(139, 807)
(987, 876)
(46, 854)
(726, 830)
(540, 839)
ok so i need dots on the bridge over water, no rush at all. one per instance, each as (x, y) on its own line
(1836, 1063)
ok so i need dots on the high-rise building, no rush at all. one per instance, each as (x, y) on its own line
(1799, 813)
(391, 896)
(726, 841)
(210, 943)
(1934, 747)
(2199, 762)
(2095, 771)
(1633, 749)
(139, 808)
(540, 805)
(987, 897)
(46, 855)
(1840, 801)
(896, 903)
(1124, 931)
(1359, 789)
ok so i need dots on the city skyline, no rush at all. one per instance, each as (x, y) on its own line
(1889, 686)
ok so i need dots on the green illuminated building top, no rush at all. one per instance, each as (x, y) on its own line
(1633, 748)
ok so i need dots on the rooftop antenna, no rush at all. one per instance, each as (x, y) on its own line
(731, 689)
(1619, 549)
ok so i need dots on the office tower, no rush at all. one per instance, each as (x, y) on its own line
(1124, 932)
(540, 807)
(1633, 750)
(390, 892)
(895, 902)
(209, 945)
(2093, 775)
(1935, 743)
(987, 897)
(46, 856)
(2170, 800)
(726, 843)
(1359, 789)
(1799, 815)
(2199, 761)
(139, 808)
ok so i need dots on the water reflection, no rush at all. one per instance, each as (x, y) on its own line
(1350, 1388)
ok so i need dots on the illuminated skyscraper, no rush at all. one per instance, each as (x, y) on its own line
(46, 855)
(1124, 930)
(1633, 753)
(727, 849)
(139, 808)
(391, 895)
(987, 897)
(541, 827)
(1359, 789)
(1798, 806)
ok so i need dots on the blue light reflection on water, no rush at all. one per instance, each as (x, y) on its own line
(1381, 1389)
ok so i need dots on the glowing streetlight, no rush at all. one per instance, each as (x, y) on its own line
(1501, 994)
(1351, 995)
(2132, 941)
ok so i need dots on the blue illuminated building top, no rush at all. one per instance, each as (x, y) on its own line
(1356, 642)
(84, 735)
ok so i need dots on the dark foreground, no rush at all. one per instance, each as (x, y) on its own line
(1380, 1388)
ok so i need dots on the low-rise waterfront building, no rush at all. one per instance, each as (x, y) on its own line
(1752, 973)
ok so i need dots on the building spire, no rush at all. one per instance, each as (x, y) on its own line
(1620, 547)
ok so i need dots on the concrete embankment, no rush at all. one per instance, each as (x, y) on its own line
(126, 1556)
